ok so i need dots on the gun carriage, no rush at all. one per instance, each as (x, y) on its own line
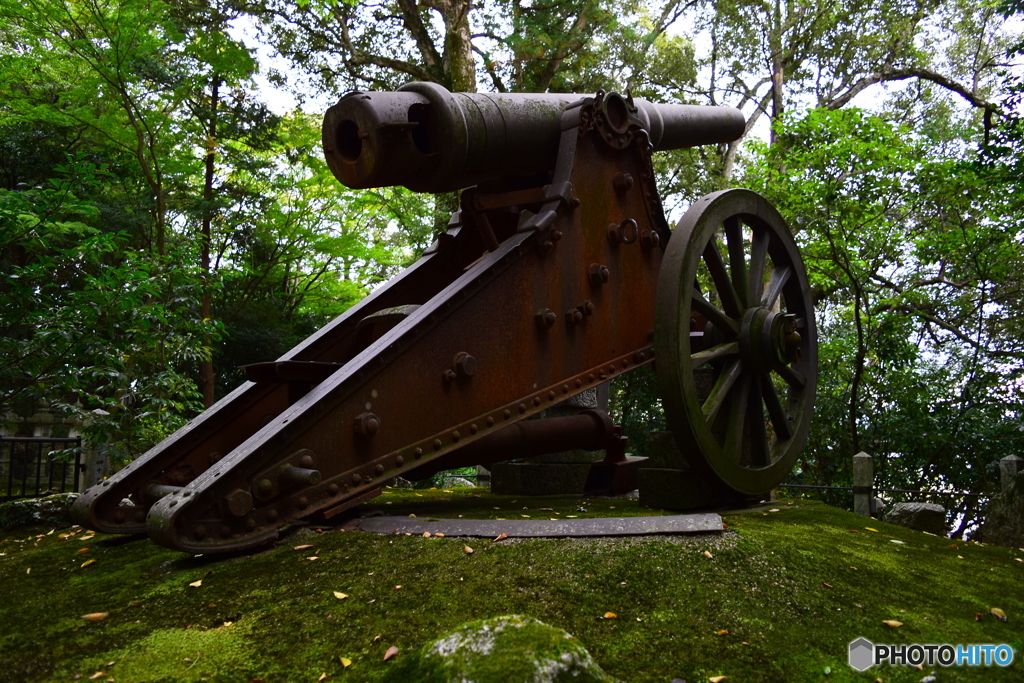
(558, 273)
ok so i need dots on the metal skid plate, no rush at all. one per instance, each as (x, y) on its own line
(564, 303)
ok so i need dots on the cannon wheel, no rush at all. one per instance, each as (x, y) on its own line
(736, 342)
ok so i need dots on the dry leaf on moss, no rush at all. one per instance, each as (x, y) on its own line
(611, 615)
(893, 623)
(392, 651)
(340, 595)
(98, 674)
(81, 550)
(345, 662)
(467, 550)
(302, 547)
(708, 554)
(95, 616)
(500, 537)
(723, 632)
(998, 614)
(196, 584)
(717, 679)
(322, 677)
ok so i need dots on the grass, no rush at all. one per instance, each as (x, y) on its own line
(781, 596)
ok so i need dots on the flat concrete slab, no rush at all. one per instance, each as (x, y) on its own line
(542, 528)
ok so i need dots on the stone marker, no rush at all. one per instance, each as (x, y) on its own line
(863, 477)
(498, 650)
(928, 517)
(1004, 518)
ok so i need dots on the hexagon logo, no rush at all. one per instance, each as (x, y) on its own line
(862, 654)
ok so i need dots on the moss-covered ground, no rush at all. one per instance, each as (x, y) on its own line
(779, 599)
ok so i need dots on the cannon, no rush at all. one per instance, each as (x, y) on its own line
(557, 273)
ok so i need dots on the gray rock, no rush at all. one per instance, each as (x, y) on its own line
(499, 650)
(54, 511)
(928, 517)
(1004, 519)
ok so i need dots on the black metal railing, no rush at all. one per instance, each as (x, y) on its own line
(37, 466)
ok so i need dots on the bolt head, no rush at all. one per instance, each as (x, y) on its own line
(465, 365)
(367, 424)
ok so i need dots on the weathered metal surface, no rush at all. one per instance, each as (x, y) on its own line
(540, 528)
(542, 288)
(432, 140)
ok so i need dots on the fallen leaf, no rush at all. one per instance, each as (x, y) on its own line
(893, 540)
(467, 549)
(376, 638)
(893, 623)
(500, 537)
(852, 531)
(322, 677)
(81, 550)
(87, 538)
(774, 510)
(827, 585)
(426, 534)
(708, 555)
(302, 547)
(954, 546)
(29, 570)
(412, 515)
(95, 616)
(998, 614)
(611, 615)
(312, 557)
(723, 632)
(88, 562)
(340, 595)
(392, 651)
(98, 674)
(398, 588)
(717, 679)
(196, 584)
(979, 616)
(345, 662)
(439, 535)
(870, 529)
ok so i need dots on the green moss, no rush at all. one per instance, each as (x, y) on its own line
(764, 584)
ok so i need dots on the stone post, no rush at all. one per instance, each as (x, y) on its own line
(1008, 469)
(863, 481)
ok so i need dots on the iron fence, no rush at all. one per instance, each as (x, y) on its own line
(37, 466)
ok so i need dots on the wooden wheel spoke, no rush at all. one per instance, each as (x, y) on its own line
(780, 421)
(714, 353)
(737, 260)
(720, 391)
(778, 280)
(759, 455)
(737, 415)
(793, 377)
(723, 284)
(714, 314)
(758, 256)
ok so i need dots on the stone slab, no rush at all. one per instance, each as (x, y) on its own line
(540, 528)
(674, 489)
(568, 457)
(538, 479)
(663, 452)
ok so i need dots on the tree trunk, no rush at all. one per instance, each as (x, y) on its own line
(206, 373)
(457, 60)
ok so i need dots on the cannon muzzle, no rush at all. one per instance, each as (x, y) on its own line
(432, 140)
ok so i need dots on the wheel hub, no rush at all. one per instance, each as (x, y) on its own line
(768, 339)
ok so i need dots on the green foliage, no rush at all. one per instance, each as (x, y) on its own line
(915, 262)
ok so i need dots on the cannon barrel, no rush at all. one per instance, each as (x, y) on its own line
(432, 140)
